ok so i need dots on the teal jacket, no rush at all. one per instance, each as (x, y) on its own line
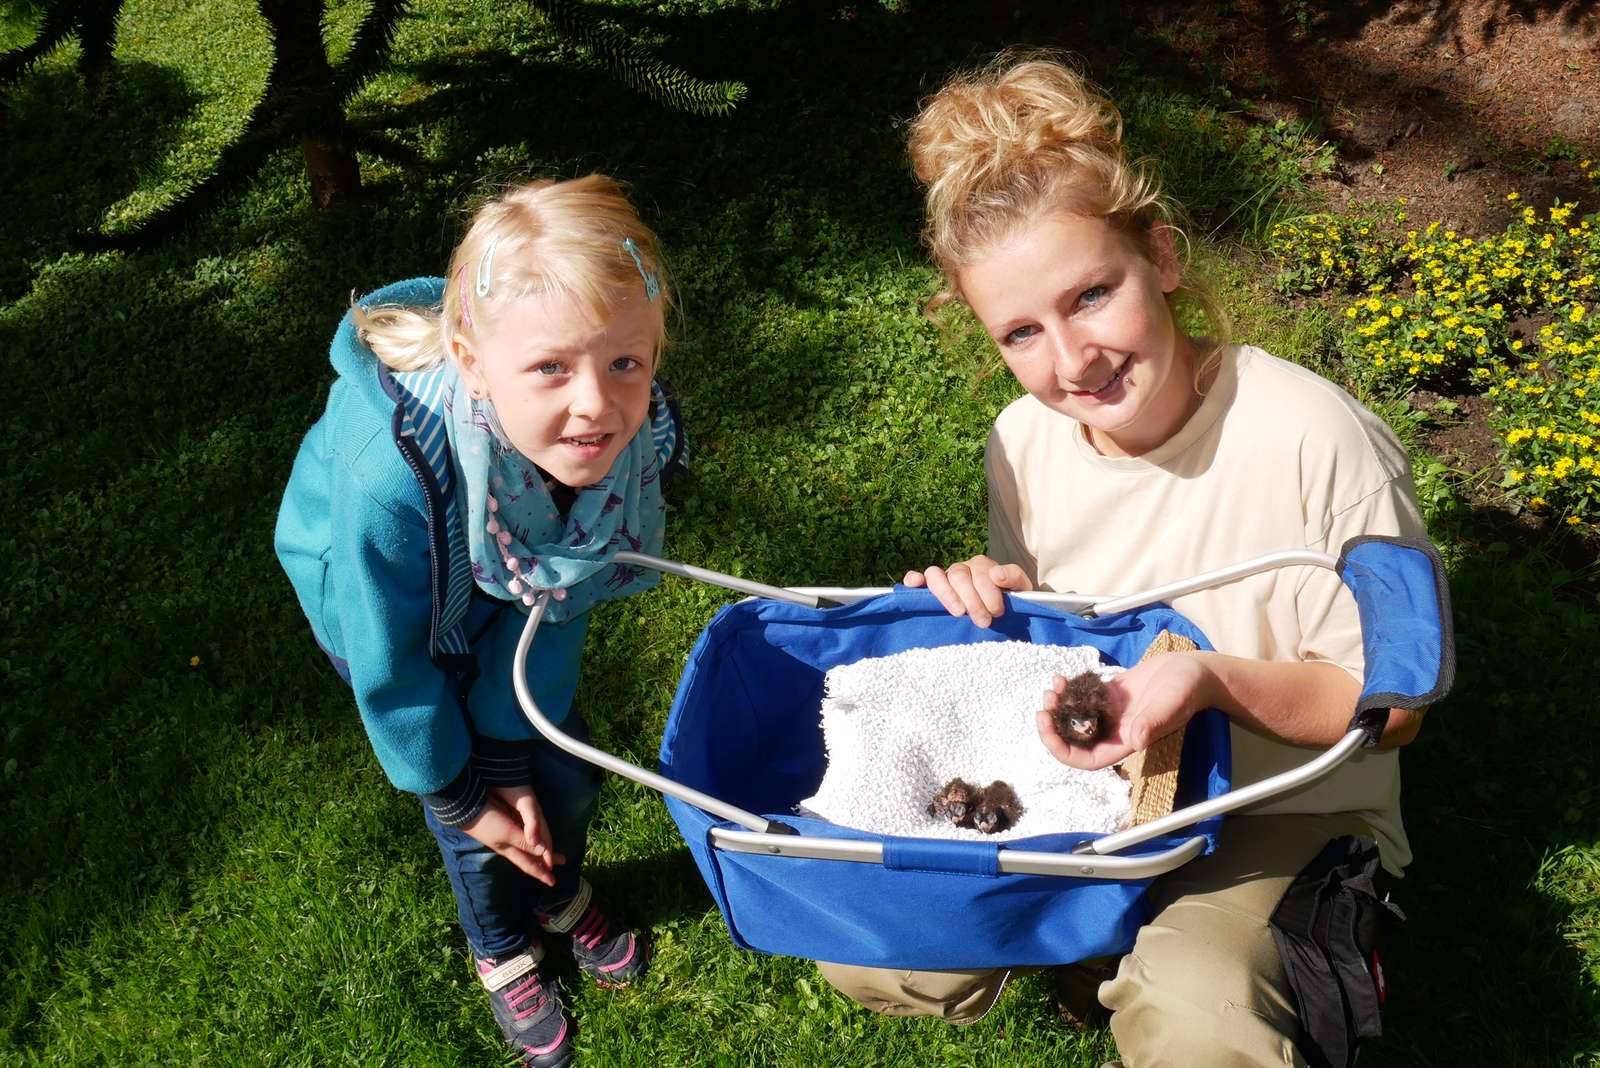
(378, 560)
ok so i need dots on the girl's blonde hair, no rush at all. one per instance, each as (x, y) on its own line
(576, 239)
(1028, 135)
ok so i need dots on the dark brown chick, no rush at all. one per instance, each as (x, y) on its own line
(1080, 711)
(955, 801)
(997, 808)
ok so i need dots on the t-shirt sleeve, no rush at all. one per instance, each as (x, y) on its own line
(1006, 544)
(1330, 627)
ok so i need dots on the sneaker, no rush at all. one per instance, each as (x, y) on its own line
(607, 951)
(528, 1009)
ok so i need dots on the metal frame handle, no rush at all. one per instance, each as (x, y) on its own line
(777, 838)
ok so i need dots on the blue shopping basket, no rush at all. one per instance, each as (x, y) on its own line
(743, 745)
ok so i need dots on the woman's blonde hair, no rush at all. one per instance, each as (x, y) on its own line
(579, 239)
(1028, 135)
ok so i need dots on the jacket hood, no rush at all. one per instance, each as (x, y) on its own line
(350, 356)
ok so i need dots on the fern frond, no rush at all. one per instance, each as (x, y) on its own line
(635, 67)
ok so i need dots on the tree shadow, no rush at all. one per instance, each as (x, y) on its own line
(1488, 795)
(1448, 23)
(67, 155)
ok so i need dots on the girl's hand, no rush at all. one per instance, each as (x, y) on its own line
(1147, 702)
(974, 588)
(513, 825)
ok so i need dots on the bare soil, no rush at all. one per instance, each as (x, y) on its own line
(1449, 104)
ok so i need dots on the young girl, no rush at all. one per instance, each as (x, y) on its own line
(1141, 455)
(492, 435)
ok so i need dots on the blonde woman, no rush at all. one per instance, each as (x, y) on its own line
(1139, 455)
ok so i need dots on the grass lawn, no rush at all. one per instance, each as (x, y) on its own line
(205, 863)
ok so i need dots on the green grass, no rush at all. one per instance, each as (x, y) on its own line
(205, 865)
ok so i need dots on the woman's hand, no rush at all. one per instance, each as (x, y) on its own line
(1147, 702)
(975, 588)
(513, 825)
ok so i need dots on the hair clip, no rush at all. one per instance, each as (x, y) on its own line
(486, 267)
(466, 301)
(652, 285)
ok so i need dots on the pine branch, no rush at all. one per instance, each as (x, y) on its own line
(635, 67)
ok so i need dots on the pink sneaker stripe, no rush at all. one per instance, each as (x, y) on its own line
(633, 949)
(539, 1051)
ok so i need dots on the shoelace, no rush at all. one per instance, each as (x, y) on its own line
(529, 989)
(591, 930)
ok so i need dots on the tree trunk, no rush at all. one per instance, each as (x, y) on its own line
(306, 99)
(332, 170)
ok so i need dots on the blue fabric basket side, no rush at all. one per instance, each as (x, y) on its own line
(745, 727)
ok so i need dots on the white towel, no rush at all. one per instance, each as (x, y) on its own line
(897, 728)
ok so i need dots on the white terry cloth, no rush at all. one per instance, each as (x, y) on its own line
(897, 728)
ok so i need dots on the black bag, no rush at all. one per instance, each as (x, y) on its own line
(1329, 928)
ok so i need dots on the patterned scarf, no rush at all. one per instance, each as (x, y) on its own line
(520, 544)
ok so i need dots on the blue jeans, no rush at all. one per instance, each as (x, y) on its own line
(495, 901)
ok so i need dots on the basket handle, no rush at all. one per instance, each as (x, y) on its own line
(1408, 645)
(1407, 632)
(601, 758)
(1375, 569)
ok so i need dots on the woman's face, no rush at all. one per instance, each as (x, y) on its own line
(569, 393)
(1079, 312)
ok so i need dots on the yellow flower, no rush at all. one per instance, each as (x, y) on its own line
(1573, 521)
(194, 661)
(1513, 196)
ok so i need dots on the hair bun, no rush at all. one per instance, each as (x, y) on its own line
(1007, 114)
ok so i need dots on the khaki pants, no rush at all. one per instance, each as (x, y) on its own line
(1202, 985)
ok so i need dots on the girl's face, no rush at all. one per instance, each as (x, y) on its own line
(1079, 312)
(570, 393)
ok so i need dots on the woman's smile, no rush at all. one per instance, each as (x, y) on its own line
(1079, 311)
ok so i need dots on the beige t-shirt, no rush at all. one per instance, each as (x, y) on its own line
(1275, 458)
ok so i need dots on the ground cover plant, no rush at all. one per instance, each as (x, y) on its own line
(204, 862)
(1506, 315)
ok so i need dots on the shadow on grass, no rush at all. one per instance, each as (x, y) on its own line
(65, 162)
(1489, 791)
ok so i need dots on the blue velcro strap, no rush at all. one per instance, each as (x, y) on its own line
(1406, 631)
(954, 858)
